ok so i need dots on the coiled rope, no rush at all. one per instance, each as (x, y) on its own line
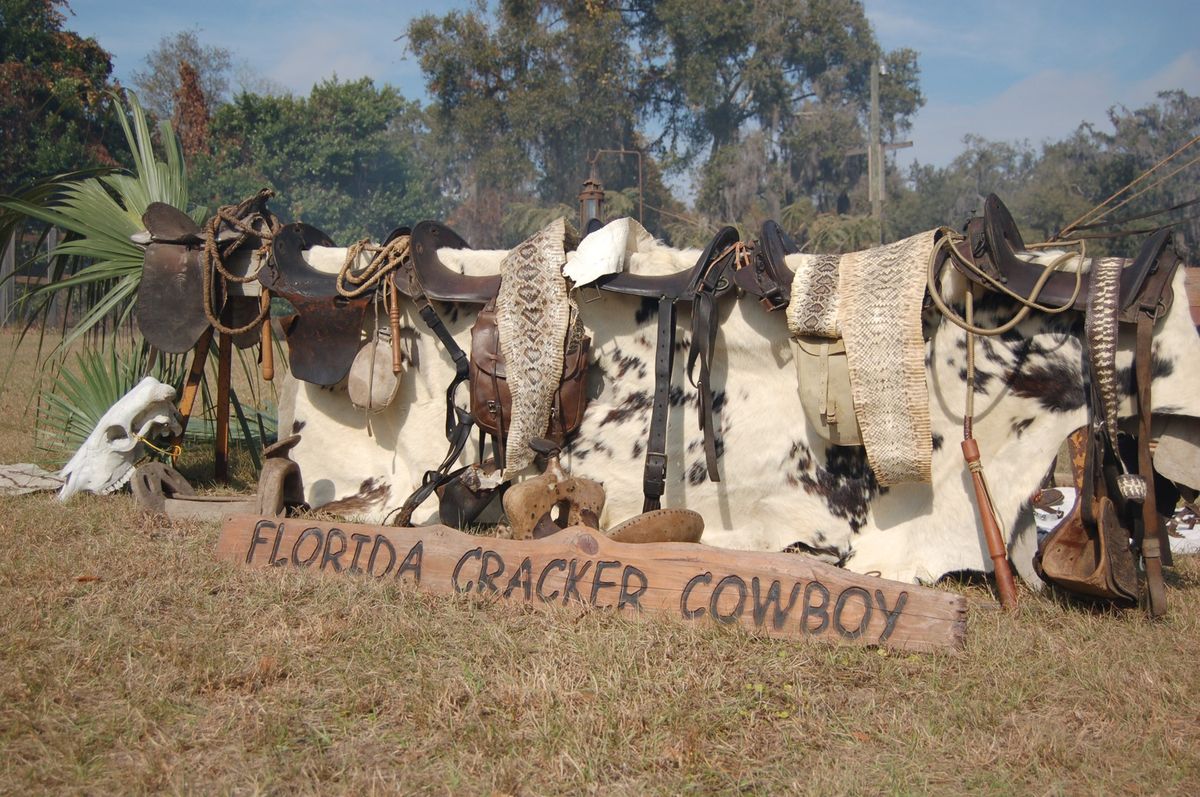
(255, 225)
(384, 260)
(949, 237)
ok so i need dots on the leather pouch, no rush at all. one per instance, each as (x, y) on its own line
(824, 379)
(1088, 552)
(491, 400)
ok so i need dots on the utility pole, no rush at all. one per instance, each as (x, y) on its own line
(875, 154)
(875, 149)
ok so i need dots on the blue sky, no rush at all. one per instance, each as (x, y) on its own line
(1012, 71)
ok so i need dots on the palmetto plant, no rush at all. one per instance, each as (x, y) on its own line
(99, 264)
(100, 211)
(79, 396)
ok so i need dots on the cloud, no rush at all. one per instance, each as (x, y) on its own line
(1182, 73)
(1046, 106)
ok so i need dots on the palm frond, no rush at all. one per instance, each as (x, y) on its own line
(78, 397)
(100, 211)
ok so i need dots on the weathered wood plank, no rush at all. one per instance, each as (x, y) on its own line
(781, 595)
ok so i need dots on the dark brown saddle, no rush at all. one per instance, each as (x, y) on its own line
(993, 241)
(170, 302)
(170, 299)
(437, 280)
(699, 286)
(324, 335)
(766, 276)
(1091, 553)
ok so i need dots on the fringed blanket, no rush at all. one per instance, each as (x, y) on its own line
(533, 315)
(872, 300)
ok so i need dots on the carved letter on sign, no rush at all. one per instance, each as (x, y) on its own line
(777, 594)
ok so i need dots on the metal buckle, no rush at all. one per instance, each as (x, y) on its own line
(656, 467)
(595, 290)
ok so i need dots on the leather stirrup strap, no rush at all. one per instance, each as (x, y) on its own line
(654, 475)
(1156, 549)
(461, 363)
(458, 421)
(703, 346)
(436, 478)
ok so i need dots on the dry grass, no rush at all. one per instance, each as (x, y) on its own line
(131, 661)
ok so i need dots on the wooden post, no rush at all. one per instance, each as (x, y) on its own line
(874, 154)
(57, 310)
(191, 387)
(224, 369)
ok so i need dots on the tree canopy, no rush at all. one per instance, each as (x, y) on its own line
(159, 83)
(745, 110)
(766, 96)
(55, 113)
(347, 158)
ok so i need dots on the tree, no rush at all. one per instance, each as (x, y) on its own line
(347, 158)
(159, 83)
(788, 79)
(54, 109)
(191, 111)
(763, 98)
(521, 100)
(1048, 189)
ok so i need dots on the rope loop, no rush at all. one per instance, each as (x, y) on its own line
(251, 220)
(384, 260)
(946, 241)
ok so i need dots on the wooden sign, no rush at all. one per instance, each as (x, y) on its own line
(781, 595)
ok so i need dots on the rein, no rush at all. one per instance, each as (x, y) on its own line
(947, 243)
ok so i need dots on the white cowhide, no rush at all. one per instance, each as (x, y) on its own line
(781, 485)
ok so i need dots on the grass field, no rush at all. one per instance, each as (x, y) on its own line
(131, 661)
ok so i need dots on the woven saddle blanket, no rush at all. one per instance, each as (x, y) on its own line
(872, 300)
(534, 312)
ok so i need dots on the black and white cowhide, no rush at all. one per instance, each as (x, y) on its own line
(782, 486)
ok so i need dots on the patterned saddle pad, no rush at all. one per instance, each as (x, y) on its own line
(872, 300)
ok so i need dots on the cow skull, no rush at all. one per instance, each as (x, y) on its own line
(105, 461)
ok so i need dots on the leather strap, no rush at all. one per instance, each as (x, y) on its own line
(1154, 540)
(654, 475)
(434, 479)
(458, 420)
(461, 363)
(703, 346)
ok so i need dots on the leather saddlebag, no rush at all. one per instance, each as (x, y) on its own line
(1088, 552)
(824, 379)
(491, 400)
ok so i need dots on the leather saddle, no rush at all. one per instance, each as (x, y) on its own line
(993, 242)
(324, 335)
(170, 297)
(170, 302)
(767, 276)
(699, 286)
(437, 280)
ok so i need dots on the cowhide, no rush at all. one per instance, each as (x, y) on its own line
(782, 486)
